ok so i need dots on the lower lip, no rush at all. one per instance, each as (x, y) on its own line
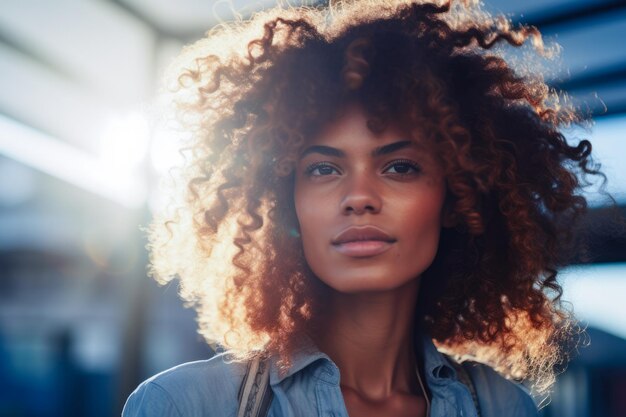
(363, 248)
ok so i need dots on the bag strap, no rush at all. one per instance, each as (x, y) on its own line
(255, 394)
(465, 377)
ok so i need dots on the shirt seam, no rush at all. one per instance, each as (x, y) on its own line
(325, 381)
(326, 376)
(168, 396)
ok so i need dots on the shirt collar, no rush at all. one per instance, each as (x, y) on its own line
(436, 366)
(303, 355)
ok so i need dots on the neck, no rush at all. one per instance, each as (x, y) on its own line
(370, 338)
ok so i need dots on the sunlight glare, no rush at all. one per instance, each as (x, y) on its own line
(165, 149)
(124, 142)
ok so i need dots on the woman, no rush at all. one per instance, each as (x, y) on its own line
(369, 185)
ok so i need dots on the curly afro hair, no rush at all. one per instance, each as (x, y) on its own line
(253, 93)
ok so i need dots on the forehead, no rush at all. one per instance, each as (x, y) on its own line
(350, 130)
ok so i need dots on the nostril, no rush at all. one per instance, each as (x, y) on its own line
(361, 201)
(360, 209)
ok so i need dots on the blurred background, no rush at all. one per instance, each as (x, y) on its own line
(80, 323)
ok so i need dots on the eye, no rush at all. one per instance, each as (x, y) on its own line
(402, 167)
(321, 169)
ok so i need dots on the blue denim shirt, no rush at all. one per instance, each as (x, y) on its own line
(310, 387)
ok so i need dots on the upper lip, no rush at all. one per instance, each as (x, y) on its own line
(360, 233)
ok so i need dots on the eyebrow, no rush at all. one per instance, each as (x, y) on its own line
(392, 147)
(324, 150)
(378, 151)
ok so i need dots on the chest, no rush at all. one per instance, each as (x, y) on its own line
(397, 405)
(323, 399)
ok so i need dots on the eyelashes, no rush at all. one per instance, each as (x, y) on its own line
(400, 167)
(407, 167)
(322, 168)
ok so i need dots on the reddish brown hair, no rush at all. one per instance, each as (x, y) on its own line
(253, 93)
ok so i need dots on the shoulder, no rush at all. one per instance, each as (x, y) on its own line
(202, 388)
(499, 396)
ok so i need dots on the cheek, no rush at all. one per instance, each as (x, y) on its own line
(423, 207)
(308, 218)
(422, 222)
(315, 213)
(303, 206)
(310, 215)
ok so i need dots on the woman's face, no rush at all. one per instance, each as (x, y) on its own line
(369, 206)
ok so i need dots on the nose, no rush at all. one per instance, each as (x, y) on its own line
(361, 196)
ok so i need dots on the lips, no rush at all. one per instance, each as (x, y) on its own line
(362, 241)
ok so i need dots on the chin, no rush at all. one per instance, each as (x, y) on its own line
(367, 284)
